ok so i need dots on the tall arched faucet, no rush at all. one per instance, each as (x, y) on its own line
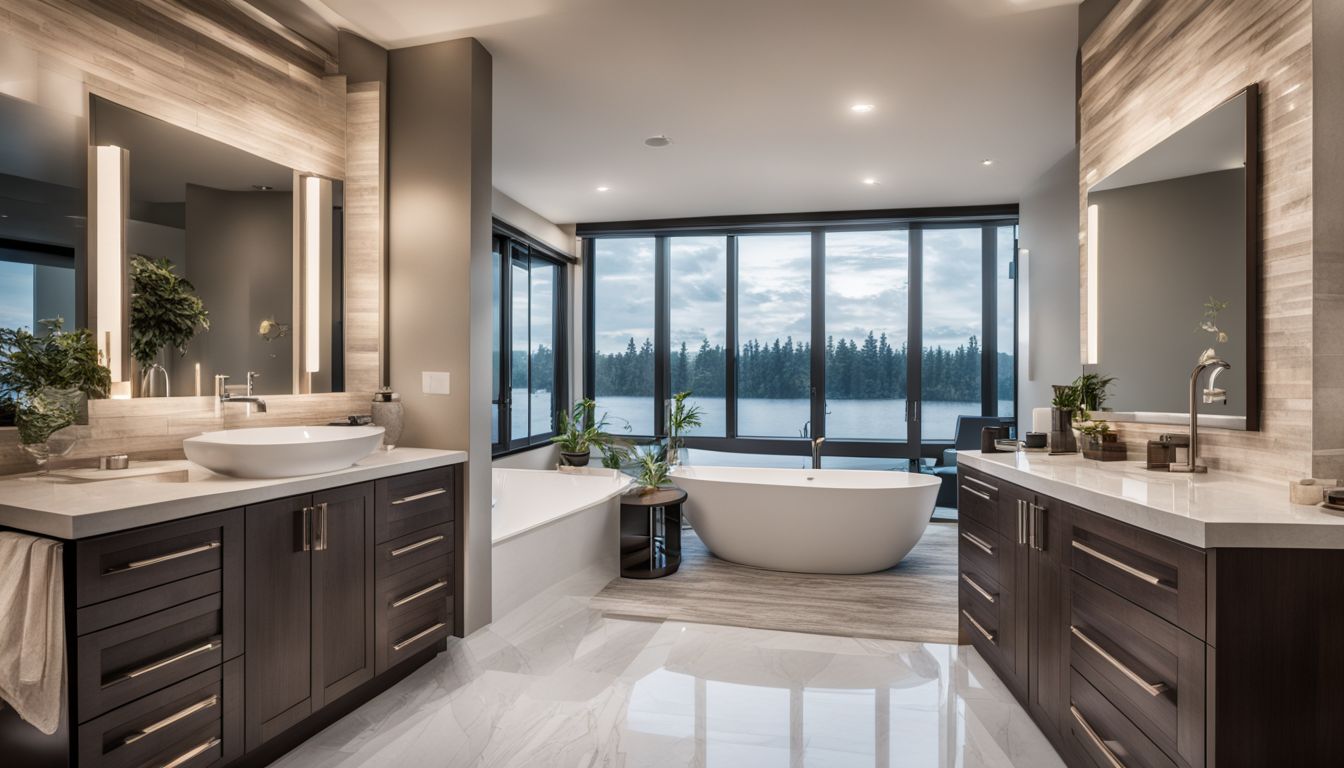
(1212, 394)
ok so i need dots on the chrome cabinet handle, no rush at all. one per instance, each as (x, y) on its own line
(320, 528)
(978, 542)
(981, 483)
(1096, 740)
(981, 494)
(979, 589)
(138, 564)
(212, 645)
(192, 754)
(1152, 689)
(307, 513)
(1021, 521)
(169, 720)
(1036, 518)
(417, 545)
(1111, 561)
(419, 496)
(988, 635)
(432, 588)
(419, 636)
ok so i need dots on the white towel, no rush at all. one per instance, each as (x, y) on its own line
(32, 628)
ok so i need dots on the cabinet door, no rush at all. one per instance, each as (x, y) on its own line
(1048, 659)
(343, 591)
(278, 678)
(1013, 507)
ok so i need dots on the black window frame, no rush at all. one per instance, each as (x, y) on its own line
(988, 218)
(513, 245)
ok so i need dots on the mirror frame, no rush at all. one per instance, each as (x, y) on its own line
(1252, 420)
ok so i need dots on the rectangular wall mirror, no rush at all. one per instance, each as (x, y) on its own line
(239, 229)
(1172, 270)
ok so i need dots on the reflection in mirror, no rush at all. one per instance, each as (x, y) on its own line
(229, 224)
(1173, 267)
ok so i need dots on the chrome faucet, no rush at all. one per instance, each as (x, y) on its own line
(816, 451)
(1212, 394)
(222, 389)
(252, 377)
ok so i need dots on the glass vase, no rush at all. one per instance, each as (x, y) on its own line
(44, 424)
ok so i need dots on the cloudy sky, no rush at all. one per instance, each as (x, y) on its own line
(867, 287)
(16, 295)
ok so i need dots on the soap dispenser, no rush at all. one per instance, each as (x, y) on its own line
(389, 414)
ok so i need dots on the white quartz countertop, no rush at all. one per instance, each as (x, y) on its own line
(1217, 509)
(66, 509)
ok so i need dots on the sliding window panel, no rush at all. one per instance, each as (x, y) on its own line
(497, 287)
(867, 332)
(774, 321)
(698, 290)
(953, 327)
(623, 301)
(1006, 286)
(519, 348)
(541, 350)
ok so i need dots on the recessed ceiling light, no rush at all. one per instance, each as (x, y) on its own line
(862, 109)
(263, 187)
(986, 162)
(604, 188)
(658, 141)
(870, 181)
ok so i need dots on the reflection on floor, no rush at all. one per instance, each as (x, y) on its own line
(557, 684)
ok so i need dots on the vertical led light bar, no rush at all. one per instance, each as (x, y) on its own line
(1093, 288)
(312, 273)
(110, 242)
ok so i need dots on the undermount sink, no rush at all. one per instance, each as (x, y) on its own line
(268, 452)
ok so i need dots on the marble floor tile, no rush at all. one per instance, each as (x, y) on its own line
(558, 684)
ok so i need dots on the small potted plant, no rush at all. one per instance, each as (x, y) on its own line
(1095, 432)
(165, 313)
(1062, 408)
(580, 432)
(1093, 390)
(654, 472)
(680, 419)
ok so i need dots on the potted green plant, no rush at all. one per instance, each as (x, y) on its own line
(580, 432)
(1093, 390)
(653, 470)
(680, 419)
(615, 453)
(47, 379)
(1096, 431)
(1062, 408)
(165, 313)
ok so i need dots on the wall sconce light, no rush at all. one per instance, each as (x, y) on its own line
(1024, 310)
(107, 265)
(1093, 288)
(312, 273)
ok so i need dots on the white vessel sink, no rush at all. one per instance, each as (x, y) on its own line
(282, 451)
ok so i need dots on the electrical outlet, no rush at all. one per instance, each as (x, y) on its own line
(435, 383)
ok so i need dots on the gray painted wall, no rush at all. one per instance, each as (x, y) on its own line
(1164, 249)
(439, 198)
(1049, 351)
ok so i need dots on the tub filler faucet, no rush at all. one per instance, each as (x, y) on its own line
(816, 451)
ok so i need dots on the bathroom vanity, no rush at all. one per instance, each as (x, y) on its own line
(216, 621)
(1146, 619)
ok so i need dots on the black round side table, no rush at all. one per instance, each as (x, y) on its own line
(651, 533)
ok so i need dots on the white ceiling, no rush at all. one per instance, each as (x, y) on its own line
(755, 95)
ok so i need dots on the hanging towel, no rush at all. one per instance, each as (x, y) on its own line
(32, 628)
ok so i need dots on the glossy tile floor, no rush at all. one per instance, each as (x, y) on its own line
(558, 684)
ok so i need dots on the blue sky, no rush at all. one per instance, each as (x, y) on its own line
(16, 295)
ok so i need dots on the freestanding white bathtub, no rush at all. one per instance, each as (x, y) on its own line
(548, 526)
(808, 520)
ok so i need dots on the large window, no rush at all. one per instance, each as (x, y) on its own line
(528, 375)
(876, 335)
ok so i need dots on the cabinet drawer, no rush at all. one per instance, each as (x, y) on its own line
(978, 498)
(987, 624)
(414, 502)
(120, 664)
(197, 722)
(414, 549)
(1151, 571)
(1098, 730)
(1147, 668)
(414, 631)
(982, 551)
(113, 566)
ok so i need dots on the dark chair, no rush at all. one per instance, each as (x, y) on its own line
(967, 439)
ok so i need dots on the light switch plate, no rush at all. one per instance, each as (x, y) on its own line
(435, 383)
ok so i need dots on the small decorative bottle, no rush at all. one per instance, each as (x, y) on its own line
(389, 414)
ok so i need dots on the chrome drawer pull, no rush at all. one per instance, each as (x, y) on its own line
(191, 754)
(138, 564)
(1021, 521)
(1152, 689)
(1111, 561)
(422, 634)
(988, 635)
(1096, 740)
(981, 483)
(981, 494)
(419, 496)
(979, 542)
(417, 545)
(979, 589)
(432, 588)
(214, 644)
(169, 720)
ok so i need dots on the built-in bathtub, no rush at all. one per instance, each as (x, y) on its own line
(547, 526)
(808, 520)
